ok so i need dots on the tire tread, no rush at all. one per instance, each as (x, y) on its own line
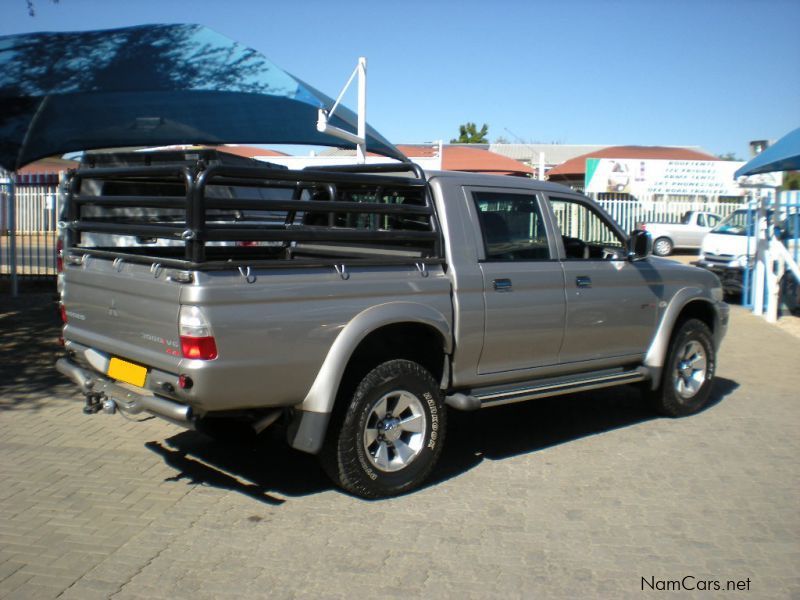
(663, 399)
(339, 456)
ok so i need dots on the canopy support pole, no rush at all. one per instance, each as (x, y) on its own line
(762, 250)
(12, 232)
(773, 265)
(360, 138)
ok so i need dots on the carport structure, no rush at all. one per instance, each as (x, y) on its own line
(157, 85)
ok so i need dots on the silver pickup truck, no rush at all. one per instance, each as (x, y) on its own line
(688, 234)
(382, 298)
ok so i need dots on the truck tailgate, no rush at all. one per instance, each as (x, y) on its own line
(126, 310)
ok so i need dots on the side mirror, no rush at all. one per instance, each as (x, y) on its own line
(640, 245)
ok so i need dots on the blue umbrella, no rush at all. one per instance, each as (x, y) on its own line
(152, 85)
(783, 155)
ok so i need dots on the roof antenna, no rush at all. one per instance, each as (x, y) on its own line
(359, 139)
(519, 139)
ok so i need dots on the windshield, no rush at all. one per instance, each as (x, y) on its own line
(735, 223)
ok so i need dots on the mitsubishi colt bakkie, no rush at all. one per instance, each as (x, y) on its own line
(356, 306)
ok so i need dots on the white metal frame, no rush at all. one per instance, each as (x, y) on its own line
(360, 137)
(772, 261)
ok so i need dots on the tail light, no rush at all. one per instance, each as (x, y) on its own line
(197, 341)
(60, 257)
(246, 244)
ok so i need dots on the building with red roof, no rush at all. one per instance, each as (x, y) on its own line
(470, 160)
(248, 151)
(573, 171)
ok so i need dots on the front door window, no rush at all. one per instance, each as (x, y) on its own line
(585, 235)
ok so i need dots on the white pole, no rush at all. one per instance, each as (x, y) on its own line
(760, 270)
(12, 225)
(541, 166)
(359, 139)
(361, 148)
(776, 266)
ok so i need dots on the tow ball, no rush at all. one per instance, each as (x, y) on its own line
(96, 402)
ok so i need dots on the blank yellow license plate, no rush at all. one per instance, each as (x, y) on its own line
(122, 370)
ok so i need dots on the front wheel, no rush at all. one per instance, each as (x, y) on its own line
(662, 246)
(391, 435)
(790, 293)
(688, 372)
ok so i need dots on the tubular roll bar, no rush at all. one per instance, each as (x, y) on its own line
(195, 230)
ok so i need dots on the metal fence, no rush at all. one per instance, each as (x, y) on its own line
(28, 230)
(38, 201)
(648, 209)
(772, 279)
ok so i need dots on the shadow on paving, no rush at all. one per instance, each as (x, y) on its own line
(268, 466)
(253, 468)
(29, 332)
(503, 432)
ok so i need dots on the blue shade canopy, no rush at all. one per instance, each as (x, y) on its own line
(783, 155)
(153, 85)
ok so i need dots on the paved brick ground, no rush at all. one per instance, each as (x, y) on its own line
(578, 496)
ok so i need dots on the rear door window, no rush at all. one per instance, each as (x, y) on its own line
(512, 226)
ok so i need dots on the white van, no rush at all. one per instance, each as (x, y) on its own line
(730, 247)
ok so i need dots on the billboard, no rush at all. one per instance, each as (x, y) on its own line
(645, 177)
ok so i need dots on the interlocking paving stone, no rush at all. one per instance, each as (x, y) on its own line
(567, 497)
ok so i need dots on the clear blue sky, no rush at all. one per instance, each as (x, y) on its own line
(713, 73)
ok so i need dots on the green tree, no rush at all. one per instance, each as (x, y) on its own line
(728, 156)
(469, 134)
(791, 180)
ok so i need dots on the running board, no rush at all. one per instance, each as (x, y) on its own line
(571, 385)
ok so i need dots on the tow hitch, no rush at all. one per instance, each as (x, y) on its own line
(103, 394)
(93, 404)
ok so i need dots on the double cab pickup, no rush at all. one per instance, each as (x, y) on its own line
(358, 305)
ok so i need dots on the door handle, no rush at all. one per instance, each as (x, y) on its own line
(582, 281)
(502, 285)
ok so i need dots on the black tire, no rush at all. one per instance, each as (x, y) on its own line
(790, 293)
(353, 465)
(662, 246)
(668, 400)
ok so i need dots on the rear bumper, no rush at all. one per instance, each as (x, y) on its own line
(129, 399)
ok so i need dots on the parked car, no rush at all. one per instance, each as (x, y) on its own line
(730, 248)
(391, 297)
(688, 234)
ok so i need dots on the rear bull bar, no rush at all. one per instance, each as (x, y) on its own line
(102, 393)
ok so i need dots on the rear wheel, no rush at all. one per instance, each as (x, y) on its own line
(688, 372)
(662, 246)
(391, 434)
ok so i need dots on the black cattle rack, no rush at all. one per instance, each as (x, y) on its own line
(206, 217)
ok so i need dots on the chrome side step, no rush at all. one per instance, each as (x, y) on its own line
(545, 389)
